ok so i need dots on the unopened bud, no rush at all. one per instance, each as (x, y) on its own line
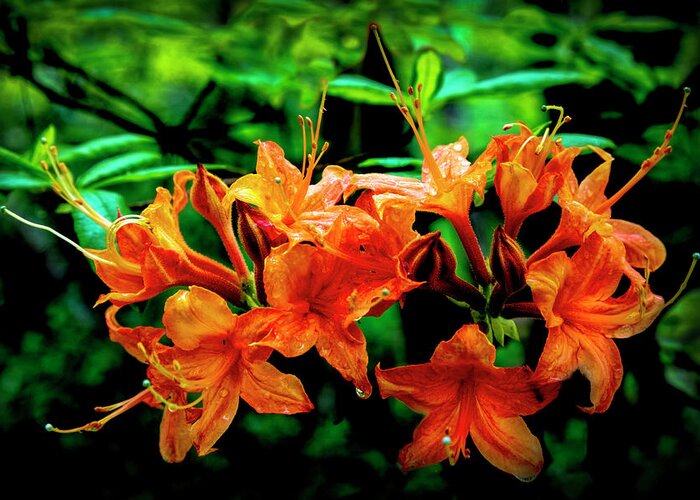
(507, 262)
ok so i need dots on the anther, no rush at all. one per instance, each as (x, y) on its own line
(49, 427)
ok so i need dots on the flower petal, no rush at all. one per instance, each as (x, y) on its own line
(507, 443)
(220, 404)
(194, 315)
(268, 390)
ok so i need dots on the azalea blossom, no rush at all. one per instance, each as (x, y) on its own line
(320, 292)
(577, 298)
(463, 395)
(215, 356)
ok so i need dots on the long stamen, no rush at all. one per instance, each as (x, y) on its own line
(169, 404)
(310, 160)
(418, 129)
(115, 409)
(696, 257)
(155, 362)
(658, 155)
(51, 230)
(63, 185)
(112, 244)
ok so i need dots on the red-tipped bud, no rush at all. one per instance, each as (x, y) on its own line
(207, 194)
(258, 236)
(507, 262)
(431, 260)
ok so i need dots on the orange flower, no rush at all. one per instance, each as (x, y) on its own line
(147, 254)
(160, 392)
(527, 177)
(585, 210)
(462, 394)
(576, 296)
(285, 194)
(322, 291)
(215, 355)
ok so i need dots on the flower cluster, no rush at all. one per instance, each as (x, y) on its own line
(311, 255)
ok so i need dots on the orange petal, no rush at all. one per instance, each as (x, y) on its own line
(420, 387)
(220, 404)
(268, 390)
(175, 440)
(345, 350)
(507, 443)
(599, 361)
(642, 247)
(194, 315)
(427, 447)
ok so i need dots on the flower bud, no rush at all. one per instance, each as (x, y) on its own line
(258, 236)
(430, 259)
(507, 262)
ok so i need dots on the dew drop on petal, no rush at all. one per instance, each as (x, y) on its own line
(362, 394)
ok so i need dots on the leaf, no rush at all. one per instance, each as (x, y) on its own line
(501, 328)
(518, 81)
(143, 174)
(107, 203)
(39, 153)
(391, 162)
(356, 88)
(8, 159)
(105, 147)
(428, 77)
(22, 180)
(677, 330)
(117, 165)
(619, 21)
(583, 140)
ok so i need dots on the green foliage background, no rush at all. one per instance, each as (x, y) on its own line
(132, 92)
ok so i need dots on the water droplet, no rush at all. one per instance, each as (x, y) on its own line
(457, 147)
(223, 393)
(362, 394)
(446, 440)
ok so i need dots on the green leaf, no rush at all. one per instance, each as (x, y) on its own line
(619, 21)
(8, 159)
(583, 140)
(117, 165)
(271, 429)
(356, 88)
(428, 76)
(22, 180)
(39, 153)
(143, 174)
(391, 162)
(501, 327)
(107, 203)
(104, 147)
(677, 330)
(512, 83)
(329, 440)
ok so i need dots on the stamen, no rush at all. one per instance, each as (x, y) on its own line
(154, 361)
(169, 404)
(696, 257)
(115, 409)
(658, 155)
(419, 129)
(63, 184)
(447, 443)
(113, 246)
(51, 230)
